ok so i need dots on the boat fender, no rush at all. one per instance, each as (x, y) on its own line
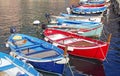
(13, 54)
(63, 61)
(27, 62)
(17, 37)
(80, 32)
(23, 60)
(30, 65)
(7, 44)
(92, 19)
(20, 74)
(70, 48)
(46, 39)
(18, 58)
(107, 0)
(68, 10)
(55, 44)
(36, 22)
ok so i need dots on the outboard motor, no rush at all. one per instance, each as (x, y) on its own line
(47, 15)
(12, 29)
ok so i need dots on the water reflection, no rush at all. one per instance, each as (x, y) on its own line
(111, 65)
(87, 67)
(21, 14)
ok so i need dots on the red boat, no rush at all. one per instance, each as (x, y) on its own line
(95, 4)
(92, 5)
(77, 45)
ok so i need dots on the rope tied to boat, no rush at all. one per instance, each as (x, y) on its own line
(108, 43)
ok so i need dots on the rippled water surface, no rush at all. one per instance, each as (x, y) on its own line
(21, 14)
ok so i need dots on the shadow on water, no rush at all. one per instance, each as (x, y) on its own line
(81, 67)
(86, 67)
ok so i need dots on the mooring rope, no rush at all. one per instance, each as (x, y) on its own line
(104, 34)
(70, 69)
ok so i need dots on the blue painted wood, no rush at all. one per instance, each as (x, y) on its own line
(39, 49)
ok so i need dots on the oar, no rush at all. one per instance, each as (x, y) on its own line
(47, 15)
(65, 51)
(109, 38)
(26, 47)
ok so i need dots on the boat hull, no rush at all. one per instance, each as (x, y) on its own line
(39, 53)
(52, 67)
(77, 45)
(83, 28)
(88, 10)
(98, 2)
(93, 53)
(11, 66)
(95, 32)
(93, 5)
(91, 32)
(87, 18)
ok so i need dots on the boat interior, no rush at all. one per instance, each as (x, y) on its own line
(35, 50)
(9, 68)
(72, 41)
(32, 53)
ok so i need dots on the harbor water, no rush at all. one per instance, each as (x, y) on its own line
(21, 14)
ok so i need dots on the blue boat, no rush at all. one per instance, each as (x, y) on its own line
(39, 53)
(77, 23)
(10, 66)
(80, 27)
(70, 15)
(76, 17)
(88, 10)
(94, 2)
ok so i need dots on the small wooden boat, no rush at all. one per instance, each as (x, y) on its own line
(81, 25)
(93, 1)
(85, 18)
(99, 2)
(76, 22)
(78, 15)
(39, 53)
(83, 28)
(10, 66)
(77, 45)
(90, 32)
(92, 5)
(88, 10)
